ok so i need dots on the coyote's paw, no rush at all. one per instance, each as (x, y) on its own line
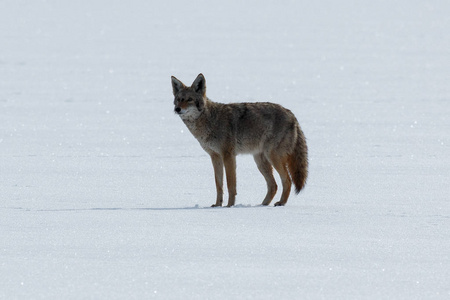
(216, 205)
(279, 204)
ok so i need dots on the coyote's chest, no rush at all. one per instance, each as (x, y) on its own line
(209, 137)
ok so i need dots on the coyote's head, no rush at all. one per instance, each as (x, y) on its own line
(189, 101)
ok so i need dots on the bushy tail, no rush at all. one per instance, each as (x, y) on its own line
(298, 162)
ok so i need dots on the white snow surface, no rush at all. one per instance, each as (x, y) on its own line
(104, 194)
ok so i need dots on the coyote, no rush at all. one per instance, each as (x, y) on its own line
(268, 131)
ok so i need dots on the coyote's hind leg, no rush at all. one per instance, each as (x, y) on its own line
(265, 168)
(281, 168)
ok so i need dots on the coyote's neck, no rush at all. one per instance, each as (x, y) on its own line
(199, 125)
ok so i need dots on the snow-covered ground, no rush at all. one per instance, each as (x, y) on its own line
(104, 194)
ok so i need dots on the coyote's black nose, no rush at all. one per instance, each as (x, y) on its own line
(177, 110)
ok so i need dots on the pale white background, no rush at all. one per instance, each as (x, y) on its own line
(104, 194)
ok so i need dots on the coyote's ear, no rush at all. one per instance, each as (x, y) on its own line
(176, 85)
(199, 84)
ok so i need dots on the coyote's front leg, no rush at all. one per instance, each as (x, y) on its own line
(218, 175)
(230, 167)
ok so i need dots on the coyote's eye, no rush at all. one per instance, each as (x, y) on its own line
(189, 100)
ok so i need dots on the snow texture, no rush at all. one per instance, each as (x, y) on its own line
(105, 194)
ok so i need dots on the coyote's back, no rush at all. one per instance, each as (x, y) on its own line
(268, 131)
